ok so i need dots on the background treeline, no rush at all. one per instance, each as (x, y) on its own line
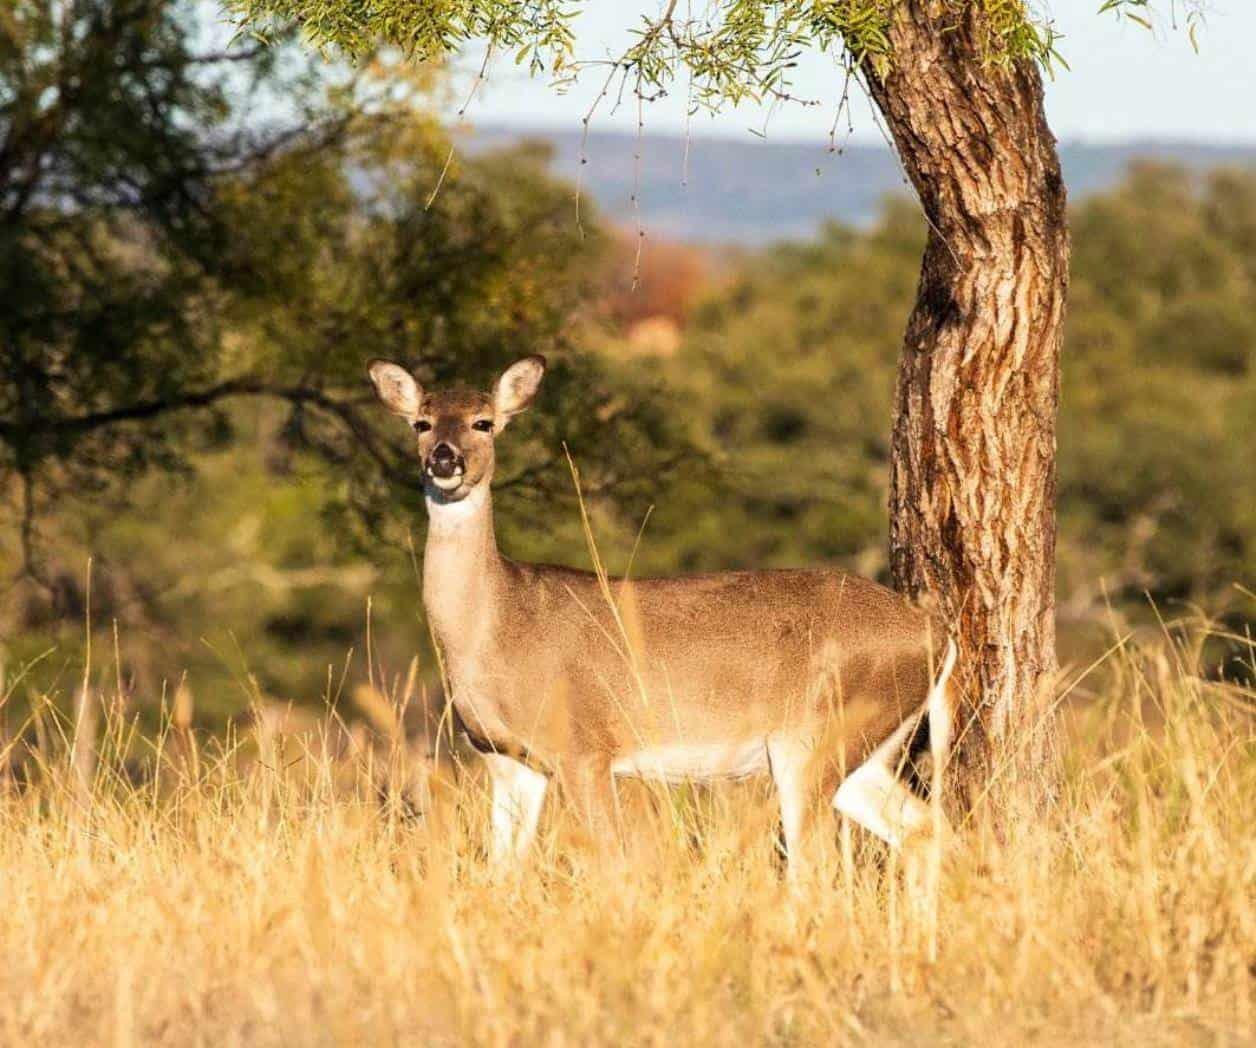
(196, 263)
(789, 370)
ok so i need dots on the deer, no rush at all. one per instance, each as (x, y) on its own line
(831, 684)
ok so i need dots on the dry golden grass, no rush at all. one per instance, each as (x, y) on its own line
(231, 901)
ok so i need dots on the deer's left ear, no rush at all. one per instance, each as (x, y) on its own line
(516, 389)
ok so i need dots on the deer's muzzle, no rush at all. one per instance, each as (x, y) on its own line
(444, 463)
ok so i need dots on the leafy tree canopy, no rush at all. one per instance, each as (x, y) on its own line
(184, 224)
(237, 571)
(1158, 392)
(733, 51)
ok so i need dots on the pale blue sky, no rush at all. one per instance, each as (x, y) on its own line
(1125, 83)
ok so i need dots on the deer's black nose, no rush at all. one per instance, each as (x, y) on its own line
(444, 461)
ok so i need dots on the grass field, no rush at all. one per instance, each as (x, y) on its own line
(268, 891)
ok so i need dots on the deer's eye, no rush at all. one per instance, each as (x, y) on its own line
(422, 426)
(484, 425)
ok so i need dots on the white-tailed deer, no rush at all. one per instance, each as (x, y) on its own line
(821, 679)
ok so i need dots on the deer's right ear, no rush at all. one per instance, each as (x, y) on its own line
(396, 388)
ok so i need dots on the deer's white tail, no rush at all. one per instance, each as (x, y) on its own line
(940, 711)
(874, 794)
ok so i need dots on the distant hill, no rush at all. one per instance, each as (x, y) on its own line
(750, 191)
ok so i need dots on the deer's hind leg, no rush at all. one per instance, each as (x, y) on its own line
(792, 760)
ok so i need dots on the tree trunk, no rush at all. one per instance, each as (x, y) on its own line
(972, 493)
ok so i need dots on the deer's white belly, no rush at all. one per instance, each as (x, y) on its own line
(686, 761)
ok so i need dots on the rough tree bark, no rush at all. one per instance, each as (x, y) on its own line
(972, 493)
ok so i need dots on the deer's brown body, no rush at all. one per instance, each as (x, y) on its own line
(806, 674)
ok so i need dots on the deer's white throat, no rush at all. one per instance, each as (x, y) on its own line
(446, 517)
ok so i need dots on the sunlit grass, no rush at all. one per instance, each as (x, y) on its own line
(321, 886)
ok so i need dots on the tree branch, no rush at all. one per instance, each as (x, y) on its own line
(239, 387)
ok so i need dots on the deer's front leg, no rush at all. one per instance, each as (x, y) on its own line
(590, 789)
(518, 794)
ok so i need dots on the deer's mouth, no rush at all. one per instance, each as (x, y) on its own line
(446, 483)
(446, 491)
(445, 468)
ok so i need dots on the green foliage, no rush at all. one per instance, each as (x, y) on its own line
(182, 279)
(801, 428)
(1188, 13)
(162, 254)
(116, 129)
(1157, 444)
(1159, 390)
(454, 284)
(537, 31)
(784, 380)
(89, 181)
(733, 51)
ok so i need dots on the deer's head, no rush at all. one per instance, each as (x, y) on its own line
(456, 428)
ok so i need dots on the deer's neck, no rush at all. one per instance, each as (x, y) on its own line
(462, 570)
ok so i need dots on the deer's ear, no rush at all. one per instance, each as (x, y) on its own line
(396, 388)
(517, 387)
